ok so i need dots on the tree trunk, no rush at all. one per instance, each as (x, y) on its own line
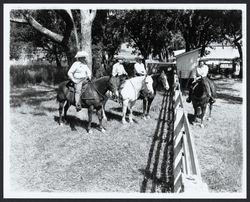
(240, 53)
(87, 17)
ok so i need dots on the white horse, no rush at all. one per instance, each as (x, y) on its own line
(130, 91)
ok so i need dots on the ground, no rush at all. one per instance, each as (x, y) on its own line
(46, 157)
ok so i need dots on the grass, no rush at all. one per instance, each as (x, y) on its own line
(46, 157)
(219, 144)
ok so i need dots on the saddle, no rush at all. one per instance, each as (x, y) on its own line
(71, 86)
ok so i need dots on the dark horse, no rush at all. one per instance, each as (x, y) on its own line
(92, 98)
(200, 99)
(159, 79)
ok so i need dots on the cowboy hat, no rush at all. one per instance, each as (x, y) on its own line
(81, 54)
(139, 57)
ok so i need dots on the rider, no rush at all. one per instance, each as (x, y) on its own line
(118, 68)
(139, 67)
(201, 72)
(80, 74)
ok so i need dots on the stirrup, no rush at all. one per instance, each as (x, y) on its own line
(212, 100)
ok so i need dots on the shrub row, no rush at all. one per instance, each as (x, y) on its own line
(34, 74)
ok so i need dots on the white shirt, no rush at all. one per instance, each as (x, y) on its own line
(78, 71)
(202, 71)
(118, 69)
(140, 68)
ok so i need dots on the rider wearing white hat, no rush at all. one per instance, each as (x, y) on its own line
(80, 74)
(118, 68)
(139, 67)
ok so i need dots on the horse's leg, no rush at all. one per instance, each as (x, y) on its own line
(61, 104)
(203, 112)
(195, 113)
(131, 111)
(100, 117)
(103, 110)
(210, 110)
(90, 112)
(124, 110)
(66, 107)
(150, 100)
(145, 103)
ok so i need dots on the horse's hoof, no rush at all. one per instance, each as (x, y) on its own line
(148, 117)
(124, 122)
(61, 124)
(202, 125)
(104, 118)
(90, 132)
(131, 121)
(103, 130)
(145, 118)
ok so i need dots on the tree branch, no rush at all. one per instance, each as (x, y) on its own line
(36, 25)
(68, 19)
(18, 20)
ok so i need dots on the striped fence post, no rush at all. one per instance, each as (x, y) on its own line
(187, 175)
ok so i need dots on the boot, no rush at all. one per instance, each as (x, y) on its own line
(188, 100)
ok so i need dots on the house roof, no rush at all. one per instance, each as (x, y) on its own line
(178, 52)
(220, 53)
(187, 53)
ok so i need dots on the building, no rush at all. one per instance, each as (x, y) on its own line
(186, 62)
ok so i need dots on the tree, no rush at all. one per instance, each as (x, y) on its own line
(108, 34)
(152, 32)
(232, 30)
(63, 36)
(199, 27)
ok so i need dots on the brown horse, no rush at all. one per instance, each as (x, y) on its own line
(92, 98)
(200, 99)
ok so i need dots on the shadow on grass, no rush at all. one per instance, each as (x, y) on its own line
(31, 97)
(159, 169)
(73, 121)
(119, 109)
(229, 98)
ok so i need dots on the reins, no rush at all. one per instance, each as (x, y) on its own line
(104, 96)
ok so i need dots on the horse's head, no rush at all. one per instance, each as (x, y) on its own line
(164, 80)
(114, 84)
(147, 86)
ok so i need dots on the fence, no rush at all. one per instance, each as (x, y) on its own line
(187, 175)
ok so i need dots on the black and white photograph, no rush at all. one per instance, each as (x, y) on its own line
(124, 101)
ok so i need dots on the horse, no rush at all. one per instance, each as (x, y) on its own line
(92, 97)
(159, 79)
(200, 99)
(130, 91)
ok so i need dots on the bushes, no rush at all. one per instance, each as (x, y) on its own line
(33, 74)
